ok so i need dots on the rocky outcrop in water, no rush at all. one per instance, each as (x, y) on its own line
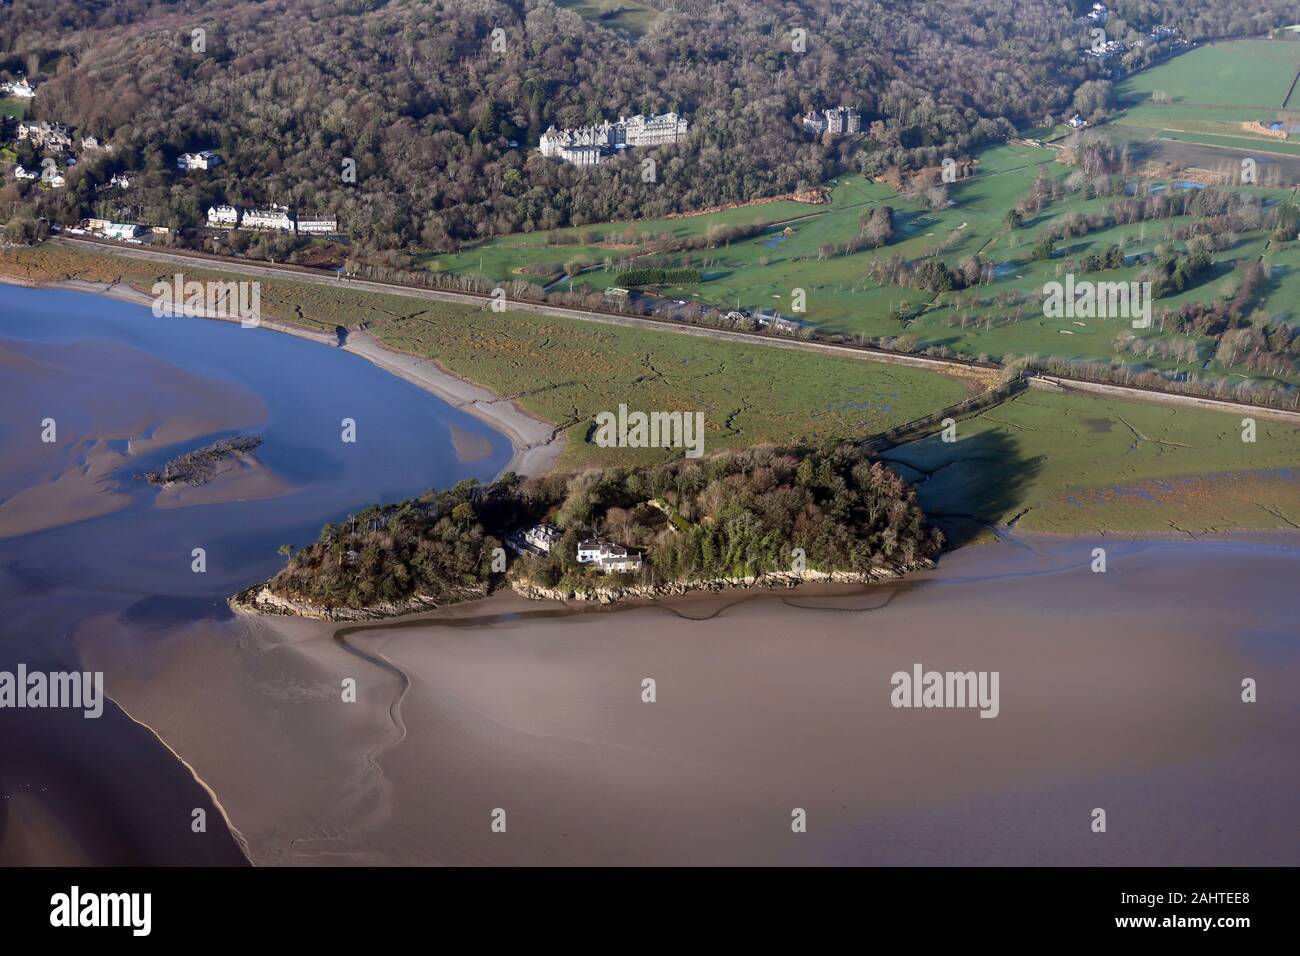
(200, 466)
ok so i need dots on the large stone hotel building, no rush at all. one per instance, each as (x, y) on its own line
(589, 145)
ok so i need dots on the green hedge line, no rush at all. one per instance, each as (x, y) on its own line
(635, 277)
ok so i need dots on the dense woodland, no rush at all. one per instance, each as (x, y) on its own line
(731, 515)
(414, 93)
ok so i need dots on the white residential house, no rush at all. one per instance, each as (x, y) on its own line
(204, 159)
(1077, 121)
(223, 217)
(814, 122)
(90, 143)
(589, 551)
(20, 173)
(47, 135)
(19, 89)
(543, 537)
(56, 181)
(275, 218)
(122, 230)
(120, 181)
(318, 225)
(608, 557)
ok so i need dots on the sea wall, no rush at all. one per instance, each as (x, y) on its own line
(260, 599)
(771, 579)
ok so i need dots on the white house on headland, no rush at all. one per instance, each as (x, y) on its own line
(223, 217)
(589, 145)
(204, 159)
(277, 218)
(543, 537)
(318, 225)
(608, 557)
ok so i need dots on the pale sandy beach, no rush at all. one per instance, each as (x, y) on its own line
(537, 445)
(1117, 690)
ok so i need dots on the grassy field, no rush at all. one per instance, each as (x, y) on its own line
(997, 330)
(763, 272)
(567, 371)
(11, 107)
(625, 16)
(1068, 463)
(1078, 464)
(1253, 74)
(503, 258)
(792, 254)
(1206, 95)
(1255, 146)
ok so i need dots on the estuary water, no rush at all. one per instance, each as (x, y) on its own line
(94, 392)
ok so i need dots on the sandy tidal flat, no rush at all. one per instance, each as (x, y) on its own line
(1118, 690)
(114, 404)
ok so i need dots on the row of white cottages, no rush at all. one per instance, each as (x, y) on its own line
(274, 218)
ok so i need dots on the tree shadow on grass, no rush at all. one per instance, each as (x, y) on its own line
(970, 485)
